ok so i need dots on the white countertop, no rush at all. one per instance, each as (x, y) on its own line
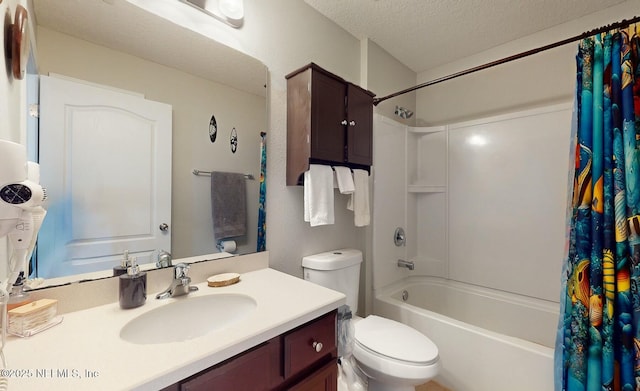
(85, 351)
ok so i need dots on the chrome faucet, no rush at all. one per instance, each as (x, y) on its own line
(164, 259)
(408, 264)
(180, 284)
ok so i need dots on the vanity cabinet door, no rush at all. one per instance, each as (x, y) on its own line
(255, 370)
(325, 379)
(289, 361)
(309, 345)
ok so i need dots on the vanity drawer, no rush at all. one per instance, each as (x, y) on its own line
(254, 370)
(300, 352)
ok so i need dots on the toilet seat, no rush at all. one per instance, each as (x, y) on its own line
(392, 353)
(394, 341)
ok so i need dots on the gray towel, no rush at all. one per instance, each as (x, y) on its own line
(228, 204)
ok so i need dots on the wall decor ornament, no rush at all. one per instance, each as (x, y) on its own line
(213, 128)
(17, 43)
(234, 140)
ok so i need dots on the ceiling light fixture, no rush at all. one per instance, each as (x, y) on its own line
(230, 12)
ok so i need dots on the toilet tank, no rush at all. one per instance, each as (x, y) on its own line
(338, 270)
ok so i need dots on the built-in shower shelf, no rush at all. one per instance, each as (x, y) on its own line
(427, 129)
(422, 188)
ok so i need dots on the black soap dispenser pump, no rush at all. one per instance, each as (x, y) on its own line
(124, 264)
(133, 287)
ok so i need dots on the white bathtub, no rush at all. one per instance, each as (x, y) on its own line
(488, 340)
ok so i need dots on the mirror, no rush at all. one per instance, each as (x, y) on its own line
(121, 46)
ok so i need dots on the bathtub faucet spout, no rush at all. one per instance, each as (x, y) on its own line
(408, 264)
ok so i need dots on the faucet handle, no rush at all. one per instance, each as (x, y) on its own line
(181, 270)
(163, 259)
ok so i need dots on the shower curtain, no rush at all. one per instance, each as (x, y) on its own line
(598, 345)
(262, 211)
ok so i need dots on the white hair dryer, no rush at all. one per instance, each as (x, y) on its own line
(21, 211)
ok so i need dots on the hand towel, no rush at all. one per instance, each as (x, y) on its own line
(359, 202)
(345, 179)
(318, 195)
(228, 204)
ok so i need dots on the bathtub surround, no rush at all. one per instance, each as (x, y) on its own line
(479, 242)
(474, 239)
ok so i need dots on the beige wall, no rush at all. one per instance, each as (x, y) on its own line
(194, 100)
(12, 124)
(540, 79)
(387, 75)
(285, 35)
(12, 105)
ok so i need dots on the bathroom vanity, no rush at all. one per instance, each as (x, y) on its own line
(270, 347)
(296, 360)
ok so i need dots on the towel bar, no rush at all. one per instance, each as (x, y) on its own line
(208, 173)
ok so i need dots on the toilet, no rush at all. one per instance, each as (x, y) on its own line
(393, 356)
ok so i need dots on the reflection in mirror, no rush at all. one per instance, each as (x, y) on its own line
(121, 50)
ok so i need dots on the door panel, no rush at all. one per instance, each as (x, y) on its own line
(359, 133)
(105, 160)
(327, 113)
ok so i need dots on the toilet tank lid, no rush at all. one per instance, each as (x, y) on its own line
(333, 260)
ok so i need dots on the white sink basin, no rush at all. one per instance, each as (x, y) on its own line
(187, 318)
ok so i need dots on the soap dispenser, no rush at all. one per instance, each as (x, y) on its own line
(124, 265)
(133, 286)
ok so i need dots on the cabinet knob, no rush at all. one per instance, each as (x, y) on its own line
(352, 123)
(317, 346)
(344, 122)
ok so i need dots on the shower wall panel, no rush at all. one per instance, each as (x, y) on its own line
(507, 187)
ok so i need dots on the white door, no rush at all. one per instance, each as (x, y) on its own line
(105, 161)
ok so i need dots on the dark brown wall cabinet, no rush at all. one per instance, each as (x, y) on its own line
(291, 361)
(329, 121)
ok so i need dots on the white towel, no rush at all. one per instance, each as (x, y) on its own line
(359, 202)
(345, 179)
(318, 195)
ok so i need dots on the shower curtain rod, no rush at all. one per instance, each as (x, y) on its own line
(621, 24)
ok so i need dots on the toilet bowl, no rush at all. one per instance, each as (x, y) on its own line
(393, 356)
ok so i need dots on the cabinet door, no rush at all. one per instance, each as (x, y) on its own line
(324, 379)
(255, 370)
(327, 116)
(299, 350)
(360, 128)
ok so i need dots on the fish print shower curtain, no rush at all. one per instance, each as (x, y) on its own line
(262, 211)
(598, 345)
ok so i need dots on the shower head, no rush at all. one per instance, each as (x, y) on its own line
(403, 113)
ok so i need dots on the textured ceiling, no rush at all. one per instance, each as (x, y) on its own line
(125, 27)
(423, 34)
